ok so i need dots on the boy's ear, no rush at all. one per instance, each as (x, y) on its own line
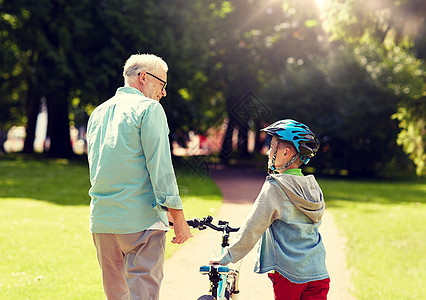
(288, 150)
(285, 152)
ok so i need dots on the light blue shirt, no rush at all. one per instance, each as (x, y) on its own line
(131, 172)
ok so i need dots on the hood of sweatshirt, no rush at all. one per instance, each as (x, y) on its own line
(304, 192)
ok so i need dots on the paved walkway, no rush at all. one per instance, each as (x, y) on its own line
(239, 187)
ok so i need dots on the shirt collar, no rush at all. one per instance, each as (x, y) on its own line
(129, 90)
(297, 172)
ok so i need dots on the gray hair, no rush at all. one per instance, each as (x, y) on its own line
(137, 63)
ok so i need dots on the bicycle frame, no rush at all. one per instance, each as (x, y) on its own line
(223, 280)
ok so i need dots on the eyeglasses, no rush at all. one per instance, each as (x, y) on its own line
(164, 82)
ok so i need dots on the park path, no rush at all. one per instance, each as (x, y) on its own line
(239, 187)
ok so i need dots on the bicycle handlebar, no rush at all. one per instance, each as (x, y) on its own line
(207, 222)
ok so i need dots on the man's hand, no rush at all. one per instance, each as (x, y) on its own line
(180, 227)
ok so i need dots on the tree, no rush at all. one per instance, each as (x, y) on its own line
(73, 51)
(40, 37)
(250, 45)
(387, 39)
(56, 45)
(257, 60)
(180, 32)
(12, 84)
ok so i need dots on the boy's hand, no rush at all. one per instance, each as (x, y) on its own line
(214, 261)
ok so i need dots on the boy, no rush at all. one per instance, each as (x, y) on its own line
(286, 216)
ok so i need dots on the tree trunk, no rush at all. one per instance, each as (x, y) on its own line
(32, 106)
(58, 128)
(243, 141)
(3, 138)
(226, 150)
(258, 144)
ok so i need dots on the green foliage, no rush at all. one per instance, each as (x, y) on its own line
(11, 86)
(413, 134)
(391, 31)
(250, 49)
(365, 66)
(192, 103)
(401, 72)
(76, 49)
(346, 109)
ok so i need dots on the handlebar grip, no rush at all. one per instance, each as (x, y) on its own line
(189, 222)
(206, 222)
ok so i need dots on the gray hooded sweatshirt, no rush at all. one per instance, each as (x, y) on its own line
(285, 216)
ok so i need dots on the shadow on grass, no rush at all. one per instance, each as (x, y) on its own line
(59, 181)
(373, 191)
(66, 182)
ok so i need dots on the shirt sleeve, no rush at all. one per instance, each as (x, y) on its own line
(156, 148)
(265, 210)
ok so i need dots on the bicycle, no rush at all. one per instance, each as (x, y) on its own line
(223, 280)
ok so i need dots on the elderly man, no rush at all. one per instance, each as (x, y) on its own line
(133, 186)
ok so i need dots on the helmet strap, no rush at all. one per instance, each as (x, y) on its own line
(272, 169)
(292, 160)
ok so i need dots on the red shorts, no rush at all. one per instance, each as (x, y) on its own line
(284, 289)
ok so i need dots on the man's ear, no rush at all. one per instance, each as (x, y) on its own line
(142, 77)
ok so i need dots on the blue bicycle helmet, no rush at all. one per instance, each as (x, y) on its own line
(297, 134)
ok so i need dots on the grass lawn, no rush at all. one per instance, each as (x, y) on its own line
(45, 245)
(384, 222)
(47, 253)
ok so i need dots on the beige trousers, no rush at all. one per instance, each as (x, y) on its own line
(131, 264)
